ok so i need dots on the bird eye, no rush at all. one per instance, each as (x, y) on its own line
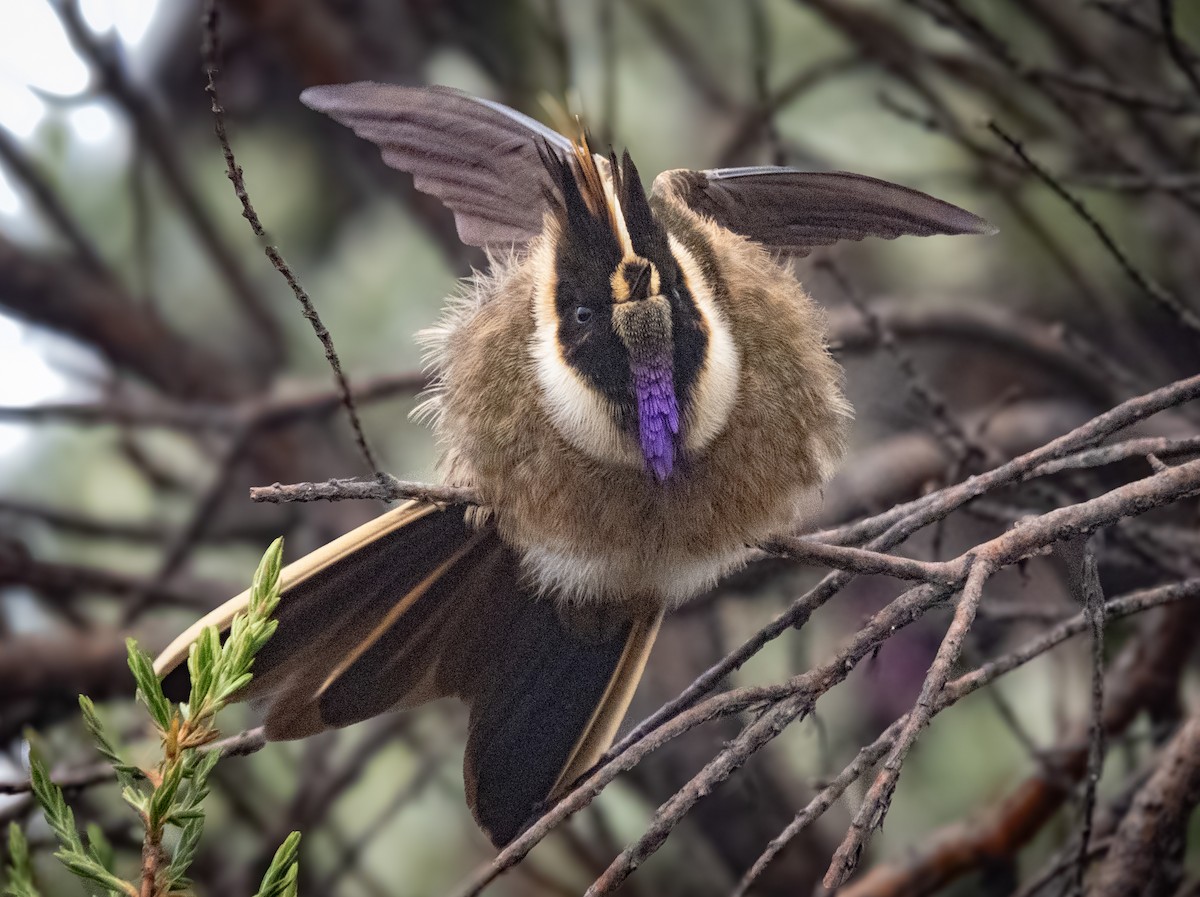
(583, 314)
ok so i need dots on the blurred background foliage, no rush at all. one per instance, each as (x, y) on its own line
(1024, 335)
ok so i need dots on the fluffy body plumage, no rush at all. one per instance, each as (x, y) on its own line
(765, 427)
(638, 389)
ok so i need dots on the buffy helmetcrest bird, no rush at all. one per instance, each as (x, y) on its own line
(638, 390)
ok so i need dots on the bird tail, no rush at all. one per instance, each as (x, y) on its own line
(419, 604)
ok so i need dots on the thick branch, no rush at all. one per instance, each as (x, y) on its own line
(53, 668)
(59, 579)
(68, 297)
(1153, 831)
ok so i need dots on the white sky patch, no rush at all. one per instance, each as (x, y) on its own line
(36, 56)
(10, 203)
(92, 123)
(25, 379)
(34, 49)
(20, 109)
(131, 18)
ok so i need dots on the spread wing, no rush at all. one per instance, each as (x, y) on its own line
(478, 157)
(793, 211)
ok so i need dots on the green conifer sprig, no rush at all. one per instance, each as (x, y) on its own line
(173, 792)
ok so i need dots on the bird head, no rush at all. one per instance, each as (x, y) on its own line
(628, 337)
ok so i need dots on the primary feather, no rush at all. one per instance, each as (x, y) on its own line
(794, 211)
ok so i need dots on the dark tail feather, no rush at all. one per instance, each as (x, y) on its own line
(418, 604)
(553, 696)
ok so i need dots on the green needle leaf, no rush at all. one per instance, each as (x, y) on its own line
(149, 688)
(280, 880)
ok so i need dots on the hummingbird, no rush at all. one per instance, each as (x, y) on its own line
(637, 389)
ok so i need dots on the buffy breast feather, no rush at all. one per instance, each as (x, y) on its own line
(638, 389)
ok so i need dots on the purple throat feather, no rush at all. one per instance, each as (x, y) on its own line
(658, 414)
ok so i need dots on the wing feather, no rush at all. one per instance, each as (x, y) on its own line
(794, 211)
(174, 656)
(477, 156)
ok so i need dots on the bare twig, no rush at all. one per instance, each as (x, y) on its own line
(1166, 14)
(955, 691)
(861, 561)
(249, 742)
(1155, 291)
(875, 805)
(386, 488)
(1147, 670)
(211, 53)
(1086, 576)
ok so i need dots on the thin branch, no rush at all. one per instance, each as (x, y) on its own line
(875, 805)
(1161, 446)
(385, 488)
(1085, 576)
(863, 562)
(955, 691)
(249, 742)
(1166, 14)
(937, 504)
(1145, 674)
(211, 53)
(47, 200)
(1155, 291)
